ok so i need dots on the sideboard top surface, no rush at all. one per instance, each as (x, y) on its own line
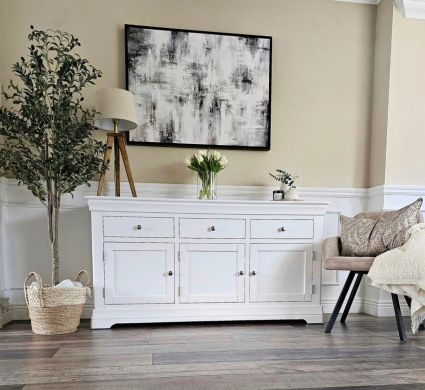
(112, 203)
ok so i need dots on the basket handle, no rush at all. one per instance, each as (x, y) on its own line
(80, 274)
(39, 282)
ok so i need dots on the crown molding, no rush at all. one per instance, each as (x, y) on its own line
(370, 2)
(411, 9)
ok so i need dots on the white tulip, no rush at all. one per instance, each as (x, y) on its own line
(187, 161)
(216, 155)
(224, 161)
(202, 152)
(199, 157)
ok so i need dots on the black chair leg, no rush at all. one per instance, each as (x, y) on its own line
(399, 318)
(339, 302)
(409, 303)
(351, 297)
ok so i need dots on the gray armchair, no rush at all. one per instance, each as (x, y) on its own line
(356, 266)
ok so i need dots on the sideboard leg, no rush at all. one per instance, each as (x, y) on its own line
(101, 324)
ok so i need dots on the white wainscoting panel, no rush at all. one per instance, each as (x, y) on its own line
(388, 197)
(5, 310)
(24, 244)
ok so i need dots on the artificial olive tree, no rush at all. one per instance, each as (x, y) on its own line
(46, 132)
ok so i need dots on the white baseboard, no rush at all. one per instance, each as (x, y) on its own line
(20, 312)
(6, 312)
(377, 309)
(383, 308)
(356, 307)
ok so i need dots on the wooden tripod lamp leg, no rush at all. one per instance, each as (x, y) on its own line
(127, 165)
(106, 158)
(117, 165)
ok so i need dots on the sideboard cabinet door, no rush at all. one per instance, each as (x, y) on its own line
(280, 272)
(212, 273)
(139, 273)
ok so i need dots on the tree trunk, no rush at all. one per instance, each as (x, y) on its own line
(53, 204)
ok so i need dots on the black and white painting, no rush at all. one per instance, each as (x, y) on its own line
(197, 88)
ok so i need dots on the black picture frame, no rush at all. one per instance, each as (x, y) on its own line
(267, 145)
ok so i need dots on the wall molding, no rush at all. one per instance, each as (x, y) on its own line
(411, 9)
(17, 205)
(392, 197)
(13, 194)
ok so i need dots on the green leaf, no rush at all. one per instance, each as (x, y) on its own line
(47, 133)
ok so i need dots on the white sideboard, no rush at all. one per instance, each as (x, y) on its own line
(173, 260)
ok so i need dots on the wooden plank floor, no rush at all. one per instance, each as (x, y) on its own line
(364, 354)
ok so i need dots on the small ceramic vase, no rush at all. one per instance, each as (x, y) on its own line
(292, 194)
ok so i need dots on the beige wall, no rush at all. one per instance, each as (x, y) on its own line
(323, 55)
(406, 120)
(398, 120)
(381, 86)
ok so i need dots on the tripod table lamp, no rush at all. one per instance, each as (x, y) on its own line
(117, 115)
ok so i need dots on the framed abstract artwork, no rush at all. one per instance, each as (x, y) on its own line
(199, 88)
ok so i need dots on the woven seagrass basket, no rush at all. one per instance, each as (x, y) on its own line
(55, 310)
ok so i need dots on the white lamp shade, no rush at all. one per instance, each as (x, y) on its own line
(115, 103)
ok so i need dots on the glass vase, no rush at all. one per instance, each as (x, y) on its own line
(207, 185)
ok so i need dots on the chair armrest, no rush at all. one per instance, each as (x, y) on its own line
(331, 247)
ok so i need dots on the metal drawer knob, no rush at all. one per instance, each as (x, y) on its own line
(241, 273)
(139, 227)
(253, 273)
(212, 228)
(281, 229)
(170, 273)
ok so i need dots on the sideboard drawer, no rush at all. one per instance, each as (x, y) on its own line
(212, 228)
(147, 227)
(282, 228)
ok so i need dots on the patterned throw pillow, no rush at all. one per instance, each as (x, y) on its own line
(391, 227)
(355, 234)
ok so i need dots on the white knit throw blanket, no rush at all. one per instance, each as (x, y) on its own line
(402, 271)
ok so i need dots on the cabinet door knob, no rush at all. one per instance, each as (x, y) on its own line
(170, 273)
(282, 229)
(253, 273)
(139, 227)
(212, 228)
(241, 273)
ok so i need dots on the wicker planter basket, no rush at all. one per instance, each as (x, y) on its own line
(55, 310)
